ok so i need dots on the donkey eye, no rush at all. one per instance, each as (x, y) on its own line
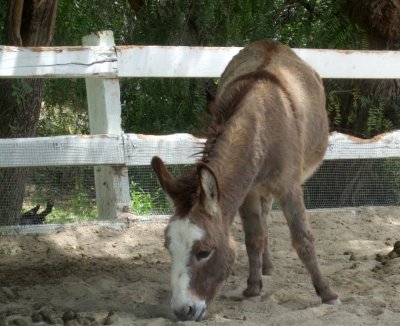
(203, 254)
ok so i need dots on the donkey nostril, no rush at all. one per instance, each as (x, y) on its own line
(185, 313)
(191, 311)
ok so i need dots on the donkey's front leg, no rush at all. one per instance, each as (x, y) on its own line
(303, 241)
(254, 230)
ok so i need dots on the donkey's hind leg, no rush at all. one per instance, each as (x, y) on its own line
(303, 241)
(266, 207)
(254, 226)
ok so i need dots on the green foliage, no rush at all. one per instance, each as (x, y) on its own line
(333, 29)
(145, 203)
(80, 204)
(365, 115)
(77, 209)
(65, 214)
(175, 105)
(65, 106)
(142, 202)
(162, 105)
(19, 89)
(62, 120)
(166, 105)
(334, 110)
(10, 250)
(70, 189)
(64, 110)
(3, 21)
(376, 122)
(77, 18)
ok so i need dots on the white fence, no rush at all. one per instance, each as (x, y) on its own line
(102, 64)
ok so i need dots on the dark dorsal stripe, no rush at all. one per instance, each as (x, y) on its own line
(225, 107)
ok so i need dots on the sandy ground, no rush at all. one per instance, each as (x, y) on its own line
(94, 275)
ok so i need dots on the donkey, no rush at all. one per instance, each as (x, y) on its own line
(268, 133)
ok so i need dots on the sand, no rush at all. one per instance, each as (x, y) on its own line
(94, 275)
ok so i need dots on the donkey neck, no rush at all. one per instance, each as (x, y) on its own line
(235, 160)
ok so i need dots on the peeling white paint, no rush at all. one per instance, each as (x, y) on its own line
(178, 61)
(134, 149)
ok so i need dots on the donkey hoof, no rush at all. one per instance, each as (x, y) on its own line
(333, 301)
(267, 270)
(251, 292)
(253, 289)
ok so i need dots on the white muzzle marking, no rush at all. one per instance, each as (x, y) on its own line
(183, 234)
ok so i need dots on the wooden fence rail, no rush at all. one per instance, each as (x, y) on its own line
(137, 149)
(177, 61)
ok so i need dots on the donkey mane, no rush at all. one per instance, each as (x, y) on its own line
(223, 108)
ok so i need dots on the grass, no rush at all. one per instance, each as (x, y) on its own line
(10, 250)
(81, 208)
(146, 203)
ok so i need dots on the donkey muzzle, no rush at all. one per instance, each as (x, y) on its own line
(195, 311)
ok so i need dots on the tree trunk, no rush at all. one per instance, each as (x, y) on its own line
(381, 21)
(30, 23)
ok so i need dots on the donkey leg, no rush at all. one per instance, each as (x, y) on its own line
(266, 207)
(253, 227)
(303, 241)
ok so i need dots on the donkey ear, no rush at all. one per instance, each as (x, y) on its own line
(210, 193)
(165, 178)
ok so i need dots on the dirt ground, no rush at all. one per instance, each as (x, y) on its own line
(94, 275)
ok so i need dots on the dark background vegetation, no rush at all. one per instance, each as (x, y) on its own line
(363, 108)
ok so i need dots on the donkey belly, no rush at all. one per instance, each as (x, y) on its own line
(315, 144)
(289, 162)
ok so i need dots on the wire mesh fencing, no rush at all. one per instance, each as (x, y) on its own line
(71, 190)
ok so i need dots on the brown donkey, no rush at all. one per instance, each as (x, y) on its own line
(268, 134)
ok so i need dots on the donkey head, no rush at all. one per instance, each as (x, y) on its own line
(197, 238)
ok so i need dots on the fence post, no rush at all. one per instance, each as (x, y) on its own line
(103, 96)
